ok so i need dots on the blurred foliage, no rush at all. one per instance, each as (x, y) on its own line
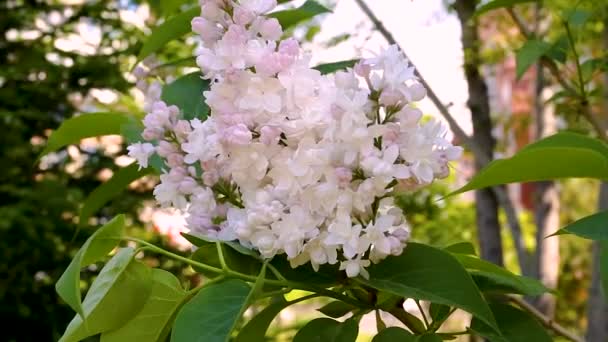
(40, 86)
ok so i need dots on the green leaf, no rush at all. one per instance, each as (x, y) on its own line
(416, 274)
(207, 253)
(211, 314)
(496, 4)
(515, 325)
(255, 329)
(292, 17)
(559, 49)
(154, 321)
(439, 313)
(461, 248)
(593, 227)
(173, 28)
(186, 93)
(500, 279)
(169, 7)
(327, 276)
(394, 334)
(83, 126)
(118, 293)
(528, 54)
(329, 68)
(131, 130)
(328, 330)
(110, 189)
(564, 155)
(577, 17)
(429, 338)
(336, 309)
(200, 241)
(94, 249)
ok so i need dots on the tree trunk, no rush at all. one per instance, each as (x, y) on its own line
(547, 205)
(597, 310)
(485, 200)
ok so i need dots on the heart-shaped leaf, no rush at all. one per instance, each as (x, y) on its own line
(154, 321)
(94, 249)
(118, 293)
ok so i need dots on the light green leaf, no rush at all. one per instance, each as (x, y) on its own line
(394, 334)
(211, 314)
(328, 330)
(495, 278)
(173, 28)
(169, 7)
(110, 189)
(515, 325)
(154, 321)
(415, 274)
(200, 241)
(329, 68)
(528, 54)
(255, 329)
(292, 17)
(94, 249)
(496, 4)
(564, 155)
(336, 309)
(186, 93)
(118, 293)
(461, 248)
(593, 227)
(83, 126)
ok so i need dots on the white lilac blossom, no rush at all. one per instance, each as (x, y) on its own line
(291, 161)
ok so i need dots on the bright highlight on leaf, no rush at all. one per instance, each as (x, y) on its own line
(564, 155)
(83, 126)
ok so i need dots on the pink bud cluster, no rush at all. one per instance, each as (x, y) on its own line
(291, 161)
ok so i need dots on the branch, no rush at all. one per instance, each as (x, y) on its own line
(501, 194)
(546, 321)
(550, 65)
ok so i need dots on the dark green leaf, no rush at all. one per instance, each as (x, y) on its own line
(199, 241)
(336, 309)
(461, 248)
(506, 281)
(207, 253)
(292, 17)
(439, 313)
(83, 126)
(110, 189)
(118, 293)
(429, 338)
(328, 275)
(564, 155)
(173, 28)
(593, 227)
(577, 17)
(329, 68)
(131, 130)
(496, 4)
(255, 329)
(515, 325)
(328, 330)
(394, 334)
(528, 54)
(186, 93)
(559, 49)
(211, 314)
(94, 249)
(154, 321)
(415, 274)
